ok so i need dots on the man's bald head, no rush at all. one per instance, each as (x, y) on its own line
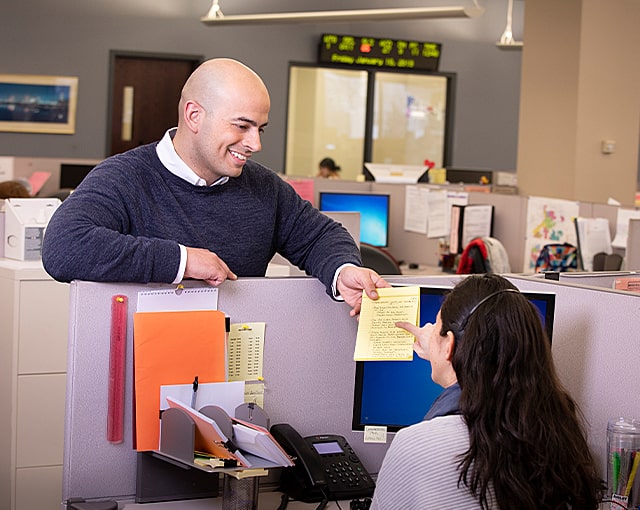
(215, 79)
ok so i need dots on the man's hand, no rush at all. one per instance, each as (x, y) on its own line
(205, 265)
(353, 280)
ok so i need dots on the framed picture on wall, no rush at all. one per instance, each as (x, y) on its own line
(38, 104)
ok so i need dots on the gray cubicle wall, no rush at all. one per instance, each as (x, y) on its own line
(603, 279)
(24, 167)
(509, 223)
(596, 349)
(338, 185)
(632, 258)
(413, 247)
(610, 212)
(309, 368)
(510, 220)
(509, 226)
(410, 247)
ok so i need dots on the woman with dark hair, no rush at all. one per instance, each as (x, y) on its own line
(516, 438)
(328, 169)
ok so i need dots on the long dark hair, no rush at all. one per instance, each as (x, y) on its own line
(526, 433)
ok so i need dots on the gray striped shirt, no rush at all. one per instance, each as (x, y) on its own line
(420, 471)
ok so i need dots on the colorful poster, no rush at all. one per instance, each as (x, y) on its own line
(549, 221)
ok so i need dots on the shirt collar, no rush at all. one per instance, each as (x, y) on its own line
(447, 403)
(170, 159)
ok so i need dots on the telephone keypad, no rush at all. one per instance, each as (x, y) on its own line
(343, 473)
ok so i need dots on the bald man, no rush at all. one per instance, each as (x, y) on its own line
(194, 205)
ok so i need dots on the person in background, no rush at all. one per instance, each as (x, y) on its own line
(194, 205)
(13, 189)
(328, 169)
(514, 438)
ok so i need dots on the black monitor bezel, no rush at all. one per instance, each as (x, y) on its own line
(356, 423)
(322, 194)
(72, 174)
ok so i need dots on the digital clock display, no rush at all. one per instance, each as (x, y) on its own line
(353, 50)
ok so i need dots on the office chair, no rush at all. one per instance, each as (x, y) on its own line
(607, 262)
(378, 259)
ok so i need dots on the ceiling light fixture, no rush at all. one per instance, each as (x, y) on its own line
(216, 17)
(506, 40)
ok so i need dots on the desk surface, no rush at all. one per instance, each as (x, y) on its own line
(421, 270)
(266, 501)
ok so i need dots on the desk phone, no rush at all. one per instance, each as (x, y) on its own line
(326, 467)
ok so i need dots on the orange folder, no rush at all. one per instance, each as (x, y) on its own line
(172, 348)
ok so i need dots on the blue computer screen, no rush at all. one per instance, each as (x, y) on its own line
(396, 394)
(373, 209)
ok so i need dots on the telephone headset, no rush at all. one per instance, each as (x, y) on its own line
(326, 469)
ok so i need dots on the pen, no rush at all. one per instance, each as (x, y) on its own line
(616, 470)
(632, 475)
(195, 391)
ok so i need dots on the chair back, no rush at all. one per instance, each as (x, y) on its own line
(379, 259)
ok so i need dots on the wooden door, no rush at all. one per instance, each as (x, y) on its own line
(144, 94)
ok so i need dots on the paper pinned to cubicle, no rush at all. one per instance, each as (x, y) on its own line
(622, 226)
(593, 237)
(378, 338)
(439, 214)
(416, 209)
(426, 211)
(178, 299)
(246, 351)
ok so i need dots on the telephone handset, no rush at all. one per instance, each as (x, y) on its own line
(326, 467)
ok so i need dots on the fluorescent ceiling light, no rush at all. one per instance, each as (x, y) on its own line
(215, 16)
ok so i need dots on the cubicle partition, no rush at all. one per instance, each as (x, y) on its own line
(25, 167)
(308, 372)
(604, 279)
(595, 350)
(309, 368)
(632, 257)
(608, 211)
(509, 220)
(509, 224)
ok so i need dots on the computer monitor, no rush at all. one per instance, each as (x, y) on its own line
(373, 209)
(72, 174)
(397, 394)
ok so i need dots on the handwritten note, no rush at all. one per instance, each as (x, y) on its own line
(378, 337)
(375, 434)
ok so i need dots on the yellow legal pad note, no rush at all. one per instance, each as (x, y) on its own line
(378, 337)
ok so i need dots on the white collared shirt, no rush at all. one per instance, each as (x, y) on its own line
(170, 159)
(172, 162)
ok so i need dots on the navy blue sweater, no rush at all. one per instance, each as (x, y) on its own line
(124, 223)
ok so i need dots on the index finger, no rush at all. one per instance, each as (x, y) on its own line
(411, 328)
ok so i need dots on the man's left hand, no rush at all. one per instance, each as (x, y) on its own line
(353, 280)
